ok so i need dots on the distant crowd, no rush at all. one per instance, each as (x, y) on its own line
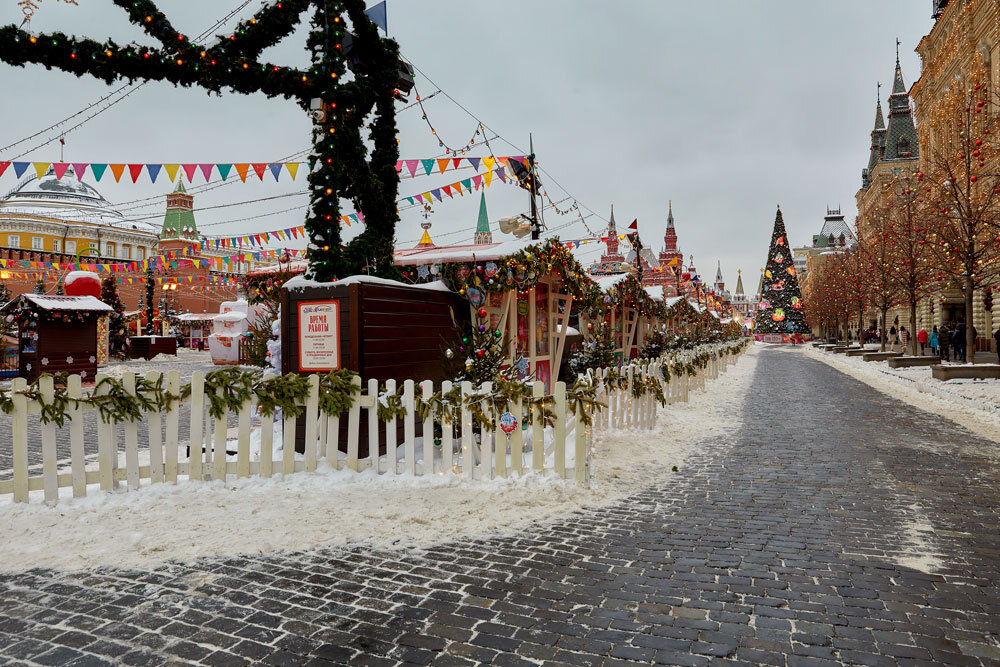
(948, 342)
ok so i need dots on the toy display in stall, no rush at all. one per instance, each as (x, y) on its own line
(117, 332)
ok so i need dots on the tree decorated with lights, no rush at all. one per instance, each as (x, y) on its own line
(780, 308)
(961, 182)
(342, 166)
(39, 287)
(878, 262)
(117, 331)
(480, 355)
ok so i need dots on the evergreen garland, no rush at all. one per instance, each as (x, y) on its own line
(231, 62)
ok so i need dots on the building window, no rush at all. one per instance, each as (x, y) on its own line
(13, 241)
(71, 247)
(109, 249)
(56, 245)
(37, 243)
(142, 254)
(903, 147)
(126, 252)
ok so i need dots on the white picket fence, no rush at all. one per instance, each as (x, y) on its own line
(473, 452)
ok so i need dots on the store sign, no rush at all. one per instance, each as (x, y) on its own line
(319, 335)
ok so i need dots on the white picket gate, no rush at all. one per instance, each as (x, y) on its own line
(472, 451)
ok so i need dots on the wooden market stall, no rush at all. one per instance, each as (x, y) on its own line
(56, 334)
(525, 287)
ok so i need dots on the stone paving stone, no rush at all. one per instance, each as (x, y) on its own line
(782, 543)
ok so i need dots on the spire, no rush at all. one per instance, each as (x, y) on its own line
(739, 282)
(670, 214)
(483, 233)
(718, 272)
(900, 140)
(612, 235)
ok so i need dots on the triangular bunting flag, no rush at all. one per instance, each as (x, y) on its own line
(79, 168)
(428, 165)
(293, 169)
(428, 197)
(259, 169)
(467, 184)
(474, 161)
(442, 165)
(242, 170)
(3, 167)
(189, 170)
(455, 162)
(477, 181)
(134, 170)
(487, 176)
(488, 162)
(447, 190)
(224, 170)
(275, 170)
(399, 166)
(437, 193)
(171, 171)
(117, 170)
(60, 169)
(97, 169)
(153, 170)
(40, 168)
(412, 166)
(206, 171)
(501, 174)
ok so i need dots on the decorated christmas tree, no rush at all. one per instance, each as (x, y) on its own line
(117, 332)
(39, 287)
(780, 308)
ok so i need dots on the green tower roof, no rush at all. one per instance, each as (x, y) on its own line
(483, 233)
(179, 220)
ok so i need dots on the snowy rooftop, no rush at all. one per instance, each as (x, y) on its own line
(298, 266)
(52, 302)
(607, 282)
(197, 317)
(655, 292)
(473, 252)
(301, 282)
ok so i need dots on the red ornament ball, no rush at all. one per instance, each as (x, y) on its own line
(480, 353)
(481, 312)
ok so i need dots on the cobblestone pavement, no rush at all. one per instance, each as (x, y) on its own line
(801, 541)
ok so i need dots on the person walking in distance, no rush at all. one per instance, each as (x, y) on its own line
(932, 340)
(904, 338)
(922, 339)
(944, 342)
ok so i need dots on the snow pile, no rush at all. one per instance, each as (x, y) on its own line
(974, 404)
(330, 508)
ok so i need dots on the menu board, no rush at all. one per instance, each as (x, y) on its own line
(319, 335)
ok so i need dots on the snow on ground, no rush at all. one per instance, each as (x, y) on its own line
(975, 404)
(330, 508)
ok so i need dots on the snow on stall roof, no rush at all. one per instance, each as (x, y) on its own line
(473, 252)
(301, 282)
(234, 316)
(655, 292)
(609, 281)
(52, 302)
(671, 300)
(298, 266)
(197, 317)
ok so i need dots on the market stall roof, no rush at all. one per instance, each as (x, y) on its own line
(298, 266)
(230, 317)
(472, 252)
(301, 282)
(655, 292)
(609, 281)
(671, 300)
(197, 317)
(62, 303)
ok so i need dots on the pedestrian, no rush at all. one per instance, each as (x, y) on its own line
(944, 342)
(922, 339)
(904, 338)
(958, 342)
(932, 339)
(996, 337)
(892, 336)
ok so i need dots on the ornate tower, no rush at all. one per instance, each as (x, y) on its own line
(720, 285)
(483, 233)
(179, 228)
(612, 255)
(878, 144)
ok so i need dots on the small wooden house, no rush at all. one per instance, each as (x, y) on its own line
(56, 334)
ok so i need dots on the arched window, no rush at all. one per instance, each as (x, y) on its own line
(903, 146)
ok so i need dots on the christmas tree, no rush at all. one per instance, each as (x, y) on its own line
(117, 332)
(780, 308)
(39, 287)
(480, 355)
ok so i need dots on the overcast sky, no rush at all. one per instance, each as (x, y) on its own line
(725, 108)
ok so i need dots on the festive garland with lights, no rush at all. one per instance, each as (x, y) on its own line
(341, 166)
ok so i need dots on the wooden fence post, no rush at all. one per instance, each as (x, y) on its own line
(76, 451)
(537, 427)
(131, 438)
(20, 439)
(197, 415)
(154, 432)
(219, 433)
(427, 467)
(409, 428)
(50, 479)
(312, 418)
(391, 464)
(559, 431)
(447, 432)
(467, 433)
(267, 439)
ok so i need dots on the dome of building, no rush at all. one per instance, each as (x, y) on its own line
(67, 199)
